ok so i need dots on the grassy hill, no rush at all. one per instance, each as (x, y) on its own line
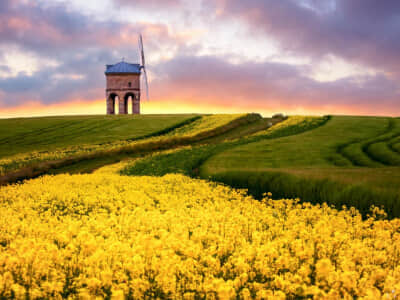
(341, 160)
(348, 161)
(75, 146)
(342, 143)
(23, 135)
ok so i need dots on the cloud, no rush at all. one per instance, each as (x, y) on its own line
(47, 29)
(77, 77)
(362, 31)
(273, 86)
(4, 69)
(149, 3)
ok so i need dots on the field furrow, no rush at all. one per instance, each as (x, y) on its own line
(357, 156)
(396, 147)
(357, 152)
(383, 152)
(394, 144)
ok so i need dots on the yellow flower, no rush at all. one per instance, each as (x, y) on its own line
(324, 269)
(103, 235)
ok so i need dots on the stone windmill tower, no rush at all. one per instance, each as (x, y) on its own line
(123, 84)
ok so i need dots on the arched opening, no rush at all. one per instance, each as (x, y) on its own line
(129, 102)
(112, 104)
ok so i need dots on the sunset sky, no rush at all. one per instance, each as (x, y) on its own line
(267, 56)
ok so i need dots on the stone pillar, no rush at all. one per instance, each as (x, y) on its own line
(110, 105)
(121, 105)
(136, 105)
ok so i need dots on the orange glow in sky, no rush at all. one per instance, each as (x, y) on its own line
(177, 106)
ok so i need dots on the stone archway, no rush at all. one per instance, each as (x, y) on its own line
(112, 101)
(129, 98)
(135, 100)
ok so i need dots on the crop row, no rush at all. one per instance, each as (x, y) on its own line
(377, 151)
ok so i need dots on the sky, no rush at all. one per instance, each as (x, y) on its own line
(207, 56)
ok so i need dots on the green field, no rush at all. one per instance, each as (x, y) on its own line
(51, 149)
(23, 135)
(346, 161)
(343, 144)
(341, 160)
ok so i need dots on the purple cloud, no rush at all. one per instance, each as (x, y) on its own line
(149, 3)
(362, 31)
(54, 28)
(271, 86)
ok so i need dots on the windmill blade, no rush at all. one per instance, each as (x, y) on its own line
(143, 66)
(141, 49)
(147, 83)
(140, 45)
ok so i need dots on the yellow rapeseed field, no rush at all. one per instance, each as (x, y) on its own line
(110, 236)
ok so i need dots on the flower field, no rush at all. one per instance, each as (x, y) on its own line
(110, 236)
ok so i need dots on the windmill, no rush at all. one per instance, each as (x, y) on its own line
(143, 65)
(123, 84)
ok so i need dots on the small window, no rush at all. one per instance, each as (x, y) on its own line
(129, 84)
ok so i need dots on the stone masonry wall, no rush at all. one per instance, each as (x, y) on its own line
(118, 85)
(118, 82)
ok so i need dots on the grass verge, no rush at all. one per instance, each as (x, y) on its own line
(284, 185)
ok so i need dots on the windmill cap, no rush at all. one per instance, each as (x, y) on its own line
(124, 68)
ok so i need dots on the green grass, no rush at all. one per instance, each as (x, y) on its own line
(242, 131)
(319, 187)
(85, 158)
(24, 135)
(184, 161)
(375, 152)
(382, 152)
(396, 147)
(311, 149)
(340, 161)
(188, 160)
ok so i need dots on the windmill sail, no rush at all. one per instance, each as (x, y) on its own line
(143, 65)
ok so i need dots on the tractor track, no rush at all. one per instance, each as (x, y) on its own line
(366, 159)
